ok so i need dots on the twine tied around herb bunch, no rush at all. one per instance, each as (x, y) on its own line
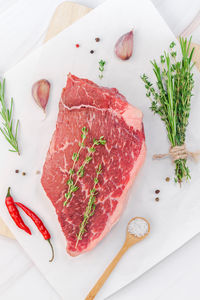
(178, 152)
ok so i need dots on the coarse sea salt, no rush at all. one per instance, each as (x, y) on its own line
(138, 227)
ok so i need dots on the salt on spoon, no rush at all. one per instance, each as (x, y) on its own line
(138, 228)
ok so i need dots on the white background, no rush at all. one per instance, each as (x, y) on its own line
(22, 28)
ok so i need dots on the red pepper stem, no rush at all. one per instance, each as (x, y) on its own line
(8, 193)
(52, 258)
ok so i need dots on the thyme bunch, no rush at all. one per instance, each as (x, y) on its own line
(7, 129)
(171, 98)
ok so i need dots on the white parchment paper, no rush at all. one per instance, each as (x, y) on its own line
(174, 219)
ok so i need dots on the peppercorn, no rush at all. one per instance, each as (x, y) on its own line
(157, 199)
(167, 179)
(91, 51)
(16, 171)
(38, 172)
(157, 191)
(23, 173)
(97, 39)
(77, 45)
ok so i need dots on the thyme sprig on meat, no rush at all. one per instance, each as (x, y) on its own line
(7, 129)
(90, 209)
(75, 157)
(72, 185)
(171, 100)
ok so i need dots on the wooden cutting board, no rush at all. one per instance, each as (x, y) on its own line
(65, 14)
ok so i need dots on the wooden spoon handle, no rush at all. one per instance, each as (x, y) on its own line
(106, 274)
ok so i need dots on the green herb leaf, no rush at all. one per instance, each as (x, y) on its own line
(74, 188)
(80, 172)
(91, 150)
(172, 45)
(71, 171)
(88, 159)
(95, 142)
(99, 169)
(68, 195)
(69, 181)
(173, 54)
(162, 59)
(96, 180)
(102, 142)
(83, 136)
(75, 156)
(84, 130)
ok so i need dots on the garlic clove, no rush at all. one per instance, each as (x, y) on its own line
(40, 92)
(124, 46)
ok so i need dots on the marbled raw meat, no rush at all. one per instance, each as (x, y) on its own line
(105, 112)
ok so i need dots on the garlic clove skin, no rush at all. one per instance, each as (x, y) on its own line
(124, 46)
(40, 93)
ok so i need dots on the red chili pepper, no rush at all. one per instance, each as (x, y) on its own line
(38, 222)
(14, 213)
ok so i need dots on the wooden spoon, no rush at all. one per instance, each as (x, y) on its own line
(131, 240)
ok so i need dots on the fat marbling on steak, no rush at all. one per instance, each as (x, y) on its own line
(104, 112)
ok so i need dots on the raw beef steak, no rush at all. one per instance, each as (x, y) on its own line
(104, 112)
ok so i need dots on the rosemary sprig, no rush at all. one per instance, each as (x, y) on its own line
(8, 130)
(90, 209)
(172, 99)
(72, 186)
(101, 68)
